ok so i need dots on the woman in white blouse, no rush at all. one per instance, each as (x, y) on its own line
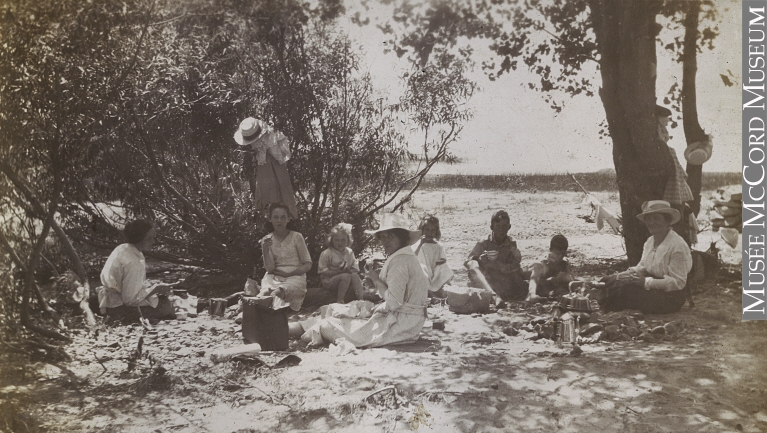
(286, 260)
(402, 284)
(654, 286)
(124, 284)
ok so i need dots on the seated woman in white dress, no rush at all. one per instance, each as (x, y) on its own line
(286, 260)
(402, 284)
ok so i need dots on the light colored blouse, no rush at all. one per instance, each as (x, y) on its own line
(272, 141)
(665, 267)
(124, 279)
(332, 258)
(430, 253)
(403, 284)
(290, 252)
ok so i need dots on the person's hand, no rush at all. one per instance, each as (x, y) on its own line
(372, 273)
(267, 242)
(630, 276)
(637, 279)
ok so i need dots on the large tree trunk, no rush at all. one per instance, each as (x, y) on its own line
(692, 131)
(625, 32)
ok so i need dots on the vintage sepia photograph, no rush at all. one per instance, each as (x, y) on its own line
(244, 216)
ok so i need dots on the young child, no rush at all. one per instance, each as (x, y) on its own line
(551, 276)
(338, 267)
(432, 256)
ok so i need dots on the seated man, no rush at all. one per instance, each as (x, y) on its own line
(125, 288)
(551, 276)
(494, 263)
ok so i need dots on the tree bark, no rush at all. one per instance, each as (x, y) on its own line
(37, 206)
(38, 293)
(692, 130)
(625, 32)
(29, 276)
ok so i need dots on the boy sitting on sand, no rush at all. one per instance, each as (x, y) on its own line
(551, 276)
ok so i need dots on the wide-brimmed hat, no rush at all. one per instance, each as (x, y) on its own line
(395, 221)
(659, 206)
(250, 130)
(699, 152)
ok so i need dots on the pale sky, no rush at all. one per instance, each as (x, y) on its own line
(515, 131)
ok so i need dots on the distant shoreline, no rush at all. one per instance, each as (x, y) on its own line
(603, 180)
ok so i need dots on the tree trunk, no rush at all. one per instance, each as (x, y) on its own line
(692, 131)
(625, 33)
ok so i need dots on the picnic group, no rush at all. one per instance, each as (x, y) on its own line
(415, 268)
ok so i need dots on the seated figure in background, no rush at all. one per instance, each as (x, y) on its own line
(550, 277)
(494, 263)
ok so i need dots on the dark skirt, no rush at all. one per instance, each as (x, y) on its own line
(619, 295)
(163, 311)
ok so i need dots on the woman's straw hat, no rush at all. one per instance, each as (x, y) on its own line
(659, 206)
(250, 130)
(699, 152)
(395, 221)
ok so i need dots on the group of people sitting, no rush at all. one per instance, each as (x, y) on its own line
(415, 269)
(416, 265)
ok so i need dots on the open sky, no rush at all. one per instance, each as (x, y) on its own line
(514, 131)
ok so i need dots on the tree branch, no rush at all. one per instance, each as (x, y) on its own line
(180, 197)
(38, 208)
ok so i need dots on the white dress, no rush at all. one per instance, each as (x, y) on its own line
(289, 253)
(429, 253)
(398, 320)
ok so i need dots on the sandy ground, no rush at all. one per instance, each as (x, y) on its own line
(471, 377)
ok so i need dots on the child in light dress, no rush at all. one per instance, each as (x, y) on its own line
(432, 256)
(338, 268)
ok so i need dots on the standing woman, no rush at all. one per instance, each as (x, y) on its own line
(402, 284)
(272, 153)
(654, 286)
(286, 260)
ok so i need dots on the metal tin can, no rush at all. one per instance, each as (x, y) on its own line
(567, 330)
